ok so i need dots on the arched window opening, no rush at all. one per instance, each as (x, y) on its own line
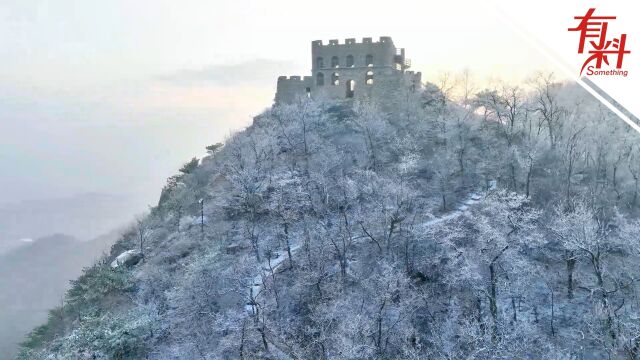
(320, 79)
(369, 60)
(369, 78)
(334, 62)
(335, 79)
(351, 88)
(319, 62)
(349, 60)
(308, 90)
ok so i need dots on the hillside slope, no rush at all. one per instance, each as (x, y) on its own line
(311, 235)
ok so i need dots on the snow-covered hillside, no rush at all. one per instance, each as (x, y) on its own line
(501, 225)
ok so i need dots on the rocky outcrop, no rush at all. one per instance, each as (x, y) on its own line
(127, 258)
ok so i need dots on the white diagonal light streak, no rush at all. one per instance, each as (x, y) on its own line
(566, 69)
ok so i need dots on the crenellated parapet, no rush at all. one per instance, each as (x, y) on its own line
(293, 79)
(353, 41)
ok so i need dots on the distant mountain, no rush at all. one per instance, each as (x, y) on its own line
(34, 278)
(84, 216)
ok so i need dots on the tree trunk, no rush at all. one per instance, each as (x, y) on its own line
(273, 281)
(635, 192)
(286, 237)
(179, 216)
(202, 220)
(392, 227)
(615, 183)
(479, 314)
(551, 138)
(571, 264)
(553, 329)
(529, 179)
(595, 259)
(408, 262)
(372, 155)
(256, 249)
(513, 177)
(568, 196)
(141, 243)
(379, 324)
(307, 240)
(493, 305)
(244, 325)
(264, 338)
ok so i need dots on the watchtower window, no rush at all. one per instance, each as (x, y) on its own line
(334, 62)
(319, 62)
(369, 78)
(335, 79)
(369, 60)
(320, 79)
(351, 87)
(349, 60)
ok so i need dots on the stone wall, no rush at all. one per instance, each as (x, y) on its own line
(290, 88)
(377, 80)
(383, 52)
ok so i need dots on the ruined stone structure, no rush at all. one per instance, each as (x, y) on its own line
(353, 70)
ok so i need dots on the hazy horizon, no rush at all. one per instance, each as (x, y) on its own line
(114, 97)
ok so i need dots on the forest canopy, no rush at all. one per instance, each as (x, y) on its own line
(448, 223)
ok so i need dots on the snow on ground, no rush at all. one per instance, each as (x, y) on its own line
(277, 262)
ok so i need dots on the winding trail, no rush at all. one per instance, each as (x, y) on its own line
(256, 286)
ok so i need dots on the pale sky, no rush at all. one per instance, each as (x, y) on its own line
(113, 96)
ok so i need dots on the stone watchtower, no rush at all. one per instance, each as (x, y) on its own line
(373, 70)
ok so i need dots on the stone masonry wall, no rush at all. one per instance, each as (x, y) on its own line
(378, 80)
